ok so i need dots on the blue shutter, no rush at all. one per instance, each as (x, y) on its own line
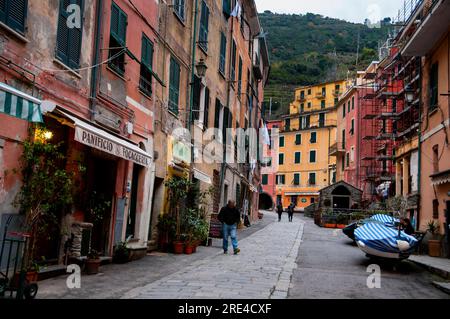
(14, 13)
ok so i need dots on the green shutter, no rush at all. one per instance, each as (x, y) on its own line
(206, 111)
(296, 179)
(14, 14)
(68, 47)
(297, 158)
(240, 77)
(280, 159)
(119, 24)
(281, 141)
(298, 138)
(226, 7)
(217, 114)
(174, 86)
(204, 22)
(223, 50)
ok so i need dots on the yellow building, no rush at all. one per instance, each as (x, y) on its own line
(304, 164)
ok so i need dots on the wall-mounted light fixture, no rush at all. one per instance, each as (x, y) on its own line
(201, 68)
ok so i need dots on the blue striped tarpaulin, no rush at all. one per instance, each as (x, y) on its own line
(385, 219)
(20, 105)
(382, 238)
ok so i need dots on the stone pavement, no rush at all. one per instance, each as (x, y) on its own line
(439, 266)
(263, 270)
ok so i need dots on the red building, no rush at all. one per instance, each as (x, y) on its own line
(90, 85)
(269, 172)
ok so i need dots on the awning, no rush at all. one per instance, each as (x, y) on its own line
(301, 194)
(440, 178)
(97, 138)
(19, 104)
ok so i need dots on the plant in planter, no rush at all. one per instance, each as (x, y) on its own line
(434, 243)
(93, 262)
(342, 221)
(122, 253)
(46, 193)
(166, 230)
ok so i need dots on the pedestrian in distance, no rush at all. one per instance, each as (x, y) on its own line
(279, 211)
(230, 217)
(291, 212)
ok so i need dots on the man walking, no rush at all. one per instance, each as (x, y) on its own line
(229, 216)
(291, 212)
(279, 211)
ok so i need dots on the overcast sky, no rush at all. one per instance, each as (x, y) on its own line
(350, 10)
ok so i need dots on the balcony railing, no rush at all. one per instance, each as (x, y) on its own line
(321, 95)
(336, 149)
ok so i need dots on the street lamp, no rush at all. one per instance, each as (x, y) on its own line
(201, 68)
(409, 93)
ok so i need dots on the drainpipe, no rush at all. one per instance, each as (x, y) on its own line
(94, 73)
(191, 99)
(419, 151)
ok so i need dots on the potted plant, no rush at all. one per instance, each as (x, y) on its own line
(121, 253)
(166, 229)
(93, 262)
(341, 221)
(434, 244)
(46, 193)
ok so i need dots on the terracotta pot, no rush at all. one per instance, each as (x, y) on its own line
(341, 226)
(30, 277)
(330, 226)
(178, 247)
(189, 249)
(92, 266)
(434, 248)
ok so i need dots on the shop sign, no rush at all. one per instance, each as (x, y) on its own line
(111, 147)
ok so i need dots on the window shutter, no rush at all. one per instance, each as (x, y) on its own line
(217, 114)
(62, 45)
(223, 49)
(196, 99)
(206, 113)
(118, 24)
(75, 38)
(204, 21)
(226, 7)
(14, 13)
(174, 85)
(296, 179)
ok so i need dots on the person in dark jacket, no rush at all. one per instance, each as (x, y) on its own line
(291, 212)
(407, 226)
(230, 217)
(279, 211)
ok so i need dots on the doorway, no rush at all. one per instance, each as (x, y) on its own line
(447, 226)
(131, 222)
(101, 186)
(341, 197)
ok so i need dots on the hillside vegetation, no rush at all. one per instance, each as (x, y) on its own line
(308, 49)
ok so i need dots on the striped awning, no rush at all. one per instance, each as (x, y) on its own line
(18, 104)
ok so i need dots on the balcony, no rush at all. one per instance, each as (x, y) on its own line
(337, 93)
(301, 98)
(336, 149)
(434, 25)
(321, 95)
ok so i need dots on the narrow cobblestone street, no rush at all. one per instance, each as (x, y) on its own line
(278, 260)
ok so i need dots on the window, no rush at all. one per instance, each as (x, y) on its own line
(313, 200)
(281, 179)
(312, 156)
(233, 62)
(240, 78)
(302, 95)
(217, 110)
(280, 159)
(174, 85)
(302, 107)
(436, 158)
(309, 91)
(337, 87)
(296, 179)
(343, 138)
(321, 119)
(324, 91)
(145, 82)
(336, 101)
(226, 123)
(223, 52)
(312, 178)
(309, 105)
(352, 154)
(204, 25)
(313, 138)
(434, 87)
(342, 163)
(281, 141)
(68, 43)
(435, 209)
(179, 9)
(117, 39)
(298, 139)
(353, 102)
(322, 104)
(347, 159)
(348, 106)
(287, 125)
(343, 110)
(298, 157)
(13, 13)
(352, 129)
(265, 179)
